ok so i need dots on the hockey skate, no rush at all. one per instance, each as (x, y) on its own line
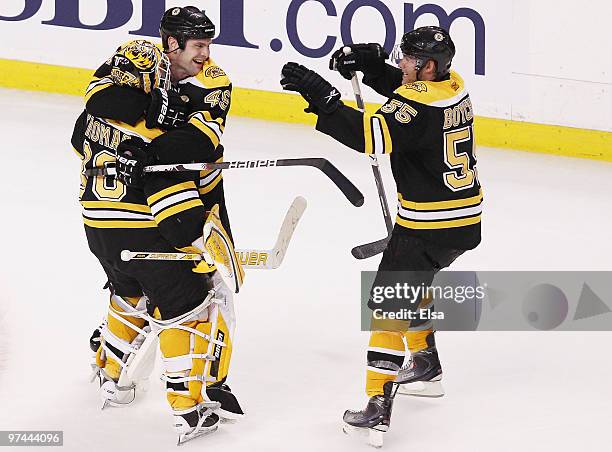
(229, 410)
(422, 375)
(195, 422)
(113, 394)
(375, 419)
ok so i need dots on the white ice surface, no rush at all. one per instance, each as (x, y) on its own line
(299, 355)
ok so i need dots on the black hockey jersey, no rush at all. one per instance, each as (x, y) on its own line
(167, 213)
(427, 128)
(209, 94)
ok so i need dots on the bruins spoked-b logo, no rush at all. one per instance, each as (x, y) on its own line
(214, 72)
(417, 86)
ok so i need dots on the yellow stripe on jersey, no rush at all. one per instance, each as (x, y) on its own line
(97, 85)
(220, 121)
(386, 136)
(410, 224)
(367, 134)
(181, 207)
(140, 129)
(211, 185)
(376, 134)
(209, 127)
(116, 205)
(441, 94)
(137, 224)
(439, 214)
(438, 205)
(168, 191)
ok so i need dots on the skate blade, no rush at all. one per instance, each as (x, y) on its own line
(184, 438)
(375, 438)
(422, 389)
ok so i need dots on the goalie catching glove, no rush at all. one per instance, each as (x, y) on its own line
(217, 250)
(317, 91)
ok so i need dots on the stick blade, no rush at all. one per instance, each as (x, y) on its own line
(292, 218)
(370, 249)
(272, 259)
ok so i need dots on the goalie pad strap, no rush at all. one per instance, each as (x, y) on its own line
(201, 378)
(118, 343)
(117, 315)
(183, 362)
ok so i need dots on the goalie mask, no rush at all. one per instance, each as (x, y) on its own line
(140, 64)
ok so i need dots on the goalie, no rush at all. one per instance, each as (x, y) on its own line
(190, 309)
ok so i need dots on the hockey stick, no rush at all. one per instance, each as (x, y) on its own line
(252, 258)
(371, 249)
(350, 191)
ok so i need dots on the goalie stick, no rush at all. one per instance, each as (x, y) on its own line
(371, 249)
(350, 191)
(249, 258)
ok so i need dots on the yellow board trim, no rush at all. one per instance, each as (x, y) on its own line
(437, 224)
(138, 224)
(276, 106)
(439, 205)
(168, 191)
(177, 209)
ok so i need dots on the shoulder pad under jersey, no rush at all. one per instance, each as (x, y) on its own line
(211, 76)
(435, 94)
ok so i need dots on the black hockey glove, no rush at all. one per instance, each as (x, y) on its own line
(367, 58)
(167, 110)
(132, 157)
(319, 93)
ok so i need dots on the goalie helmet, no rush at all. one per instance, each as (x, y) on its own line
(185, 23)
(140, 64)
(430, 43)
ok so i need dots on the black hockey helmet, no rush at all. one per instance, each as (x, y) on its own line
(430, 43)
(184, 23)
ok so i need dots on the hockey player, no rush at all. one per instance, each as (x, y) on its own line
(426, 125)
(128, 103)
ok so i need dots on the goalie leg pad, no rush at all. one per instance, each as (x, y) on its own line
(121, 337)
(118, 333)
(196, 354)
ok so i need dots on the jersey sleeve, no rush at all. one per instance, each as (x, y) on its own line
(104, 99)
(79, 130)
(386, 83)
(398, 121)
(176, 207)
